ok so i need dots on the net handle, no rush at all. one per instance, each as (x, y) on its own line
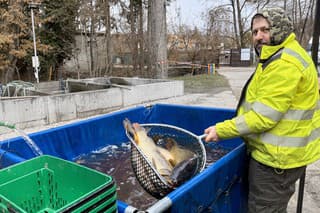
(201, 137)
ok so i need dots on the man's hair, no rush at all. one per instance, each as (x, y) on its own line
(280, 24)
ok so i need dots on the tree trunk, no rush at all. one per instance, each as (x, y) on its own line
(158, 38)
(133, 38)
(141, 38)
(92, 40)
(149, 47)
(310, 6)
(241, 34)
(285, 5)
(316, 34)
(108, 55)
(235, 23)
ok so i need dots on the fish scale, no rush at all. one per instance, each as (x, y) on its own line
(162, 159)
(151, 151)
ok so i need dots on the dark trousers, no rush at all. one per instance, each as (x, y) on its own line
(270, 189)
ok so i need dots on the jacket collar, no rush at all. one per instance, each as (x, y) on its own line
(268, 51)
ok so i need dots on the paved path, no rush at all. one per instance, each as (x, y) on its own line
(237, 77)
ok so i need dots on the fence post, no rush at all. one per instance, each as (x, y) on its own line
(211, 69)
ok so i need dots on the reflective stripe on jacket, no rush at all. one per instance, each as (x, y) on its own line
(280, 115)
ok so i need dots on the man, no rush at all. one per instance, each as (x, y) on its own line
(278, 114)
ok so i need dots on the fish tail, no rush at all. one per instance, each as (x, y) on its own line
(128, 126)
(130, 129)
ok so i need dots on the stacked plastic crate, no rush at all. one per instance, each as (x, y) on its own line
(50, 184)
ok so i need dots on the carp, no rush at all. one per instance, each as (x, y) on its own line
(149, 148)
(185, 170)
(172, 161)
(179, 153)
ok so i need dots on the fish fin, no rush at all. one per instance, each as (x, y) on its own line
(136, 138)
(170, 182)
(164, 172)
(182, 154)
(148, 129)
(172, 162)
(165, 153)
(154, 165)
(171, 143)
(128, 126)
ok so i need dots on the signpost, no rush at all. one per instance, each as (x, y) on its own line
(35, 59)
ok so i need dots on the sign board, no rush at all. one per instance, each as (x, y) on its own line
(245, 54)
(35, 61)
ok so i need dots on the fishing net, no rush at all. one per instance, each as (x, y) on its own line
(147, 175)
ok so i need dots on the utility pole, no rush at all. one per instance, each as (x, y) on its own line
(316, 34)
(35, 59)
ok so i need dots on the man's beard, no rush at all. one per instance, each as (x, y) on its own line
(258, 46)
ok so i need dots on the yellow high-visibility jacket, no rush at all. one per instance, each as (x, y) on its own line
(280, 116)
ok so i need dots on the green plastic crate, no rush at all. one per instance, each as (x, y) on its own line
(49, 184)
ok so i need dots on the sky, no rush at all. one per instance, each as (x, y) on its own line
(191, 11)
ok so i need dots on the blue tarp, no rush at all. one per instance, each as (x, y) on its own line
(219, 188)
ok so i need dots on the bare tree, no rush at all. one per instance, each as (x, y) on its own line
(141, 46)
(302, 15)
(157, 32)
(234, 12)
(242, 11)
(87, 21)
(96, 24)
(105, 4)
(133, 37)
(219, 33)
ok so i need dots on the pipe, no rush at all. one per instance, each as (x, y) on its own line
(160, 206)
(8, 125)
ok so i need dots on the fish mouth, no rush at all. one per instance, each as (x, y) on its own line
(136, 126)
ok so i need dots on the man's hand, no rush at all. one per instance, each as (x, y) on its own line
(211, 134)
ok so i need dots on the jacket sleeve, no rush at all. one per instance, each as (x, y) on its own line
(275, 88)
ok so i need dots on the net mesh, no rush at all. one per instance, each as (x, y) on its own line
(146, 174)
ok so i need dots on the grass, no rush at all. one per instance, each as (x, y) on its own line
(203, 83)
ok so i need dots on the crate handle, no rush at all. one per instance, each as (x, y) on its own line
(3, 207)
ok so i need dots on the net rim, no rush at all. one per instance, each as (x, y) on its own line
(204, 156)
(187, 132)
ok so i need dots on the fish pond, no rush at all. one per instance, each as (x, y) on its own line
(115, 161)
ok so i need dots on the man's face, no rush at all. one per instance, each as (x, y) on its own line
(260, 32)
